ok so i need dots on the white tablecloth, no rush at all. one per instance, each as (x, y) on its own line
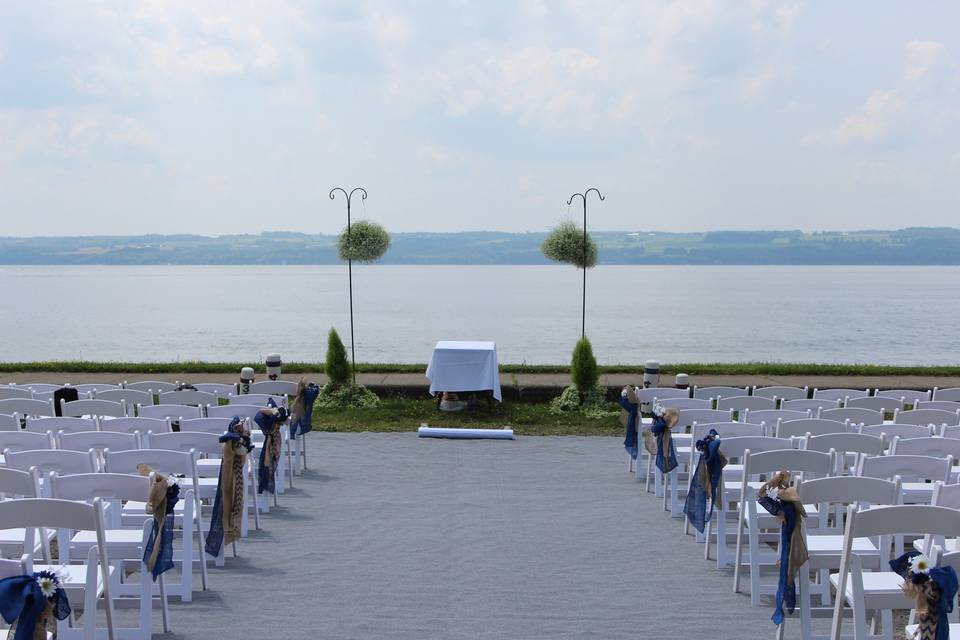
(464, 366)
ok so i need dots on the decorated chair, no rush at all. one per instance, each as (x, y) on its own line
(881, 592)
(758, 528)
(83, 583)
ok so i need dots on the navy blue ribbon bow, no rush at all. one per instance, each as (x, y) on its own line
(633, 418)
(22, 600)
(710, 466)
(666, 461)
(945, 578)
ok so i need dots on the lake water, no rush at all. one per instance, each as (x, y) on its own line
(895, 315)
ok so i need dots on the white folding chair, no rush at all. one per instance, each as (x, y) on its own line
(95, 387)
(734, 448)
(952, 394)
(781, 392)
(889, 431)
(188, 396)
(151, 386)
(219, 389)
(179, 463)
(744, 403)
(839, 394)
(124, 546)
(880, 591)
(208, 445)
(174, 412)
(8, 392)
(80, 408)
(825, 545)
(812, 404)
(917, 473)
(671, 491)
(852, 415)
(935, 446)
(131, 397)
(908, 396)
(645, 397)
(85, 584)
(944, 495)
(27, 407)
(275, 387)
(15, 484)
(751, 523)
(935, 417)
(719, 392)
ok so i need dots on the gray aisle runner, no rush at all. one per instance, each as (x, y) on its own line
(390, 536)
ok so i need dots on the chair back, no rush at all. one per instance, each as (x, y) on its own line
(813, 426)
(910, 468)
(55, 425)
(9, 422)
(25, 440)
(188, 396)
(933, 446)
(689, 416)
(27, 407)
(770, 416)
(79, 408)
(99, 441)
(15, 483)
(160, 460)
(909, 396)
(138, 425)
(846, 443)
(839, 394)
(943, 405)
(813, 404)
(151, 386)
(743, 403)
(281, 387)
(644, 396)
(734, 448)
(261, 399)
(792, 460)
(231, 410)
(219, 389)
(206, 443)
(169, 411)
(877, 403)
(95, 387)
(952, 394)
(14, 393)
(935, 417)
(890, 431)
(666, 403)
(53, 460)
(718, 392)
(849, 490)
(215, 426)
(855, 415)
(727, 429)
(131, 397)
(781, 392)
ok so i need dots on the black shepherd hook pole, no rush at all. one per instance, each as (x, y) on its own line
(583, 196)
(353, 355)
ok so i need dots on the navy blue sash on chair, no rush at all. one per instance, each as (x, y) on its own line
(709, 472)
(22, 601)
(666, 460)
(935, 592)
(630, 441)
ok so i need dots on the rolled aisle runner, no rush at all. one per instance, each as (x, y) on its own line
(448, 432)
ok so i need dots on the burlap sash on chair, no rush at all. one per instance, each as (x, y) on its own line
(269, 419)
(790, 513)
(934, 593)
(228, 504)
(630, 419)
(162, 498)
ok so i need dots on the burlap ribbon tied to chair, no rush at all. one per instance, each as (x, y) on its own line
(664, 420)
(706, 482)
(269, 419)
(630, 419)
(32, 603)
(934, 590)
(301, 411)
(228, 504)
(162, 498)
(782, 501)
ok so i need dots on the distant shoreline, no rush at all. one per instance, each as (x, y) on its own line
(918, 246)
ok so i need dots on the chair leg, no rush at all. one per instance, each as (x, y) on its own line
(803, 601)
(203, 554)
(706, 535)
(738, 557)
(164, 613)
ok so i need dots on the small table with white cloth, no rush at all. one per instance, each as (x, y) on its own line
(464, 366)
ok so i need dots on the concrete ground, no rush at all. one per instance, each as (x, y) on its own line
(391, 536)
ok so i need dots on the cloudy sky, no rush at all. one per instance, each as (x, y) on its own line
(219, 117)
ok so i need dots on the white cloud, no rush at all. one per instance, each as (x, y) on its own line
(922, 56)
(872, 121)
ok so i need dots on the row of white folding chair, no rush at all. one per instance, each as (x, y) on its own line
(83, 583)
